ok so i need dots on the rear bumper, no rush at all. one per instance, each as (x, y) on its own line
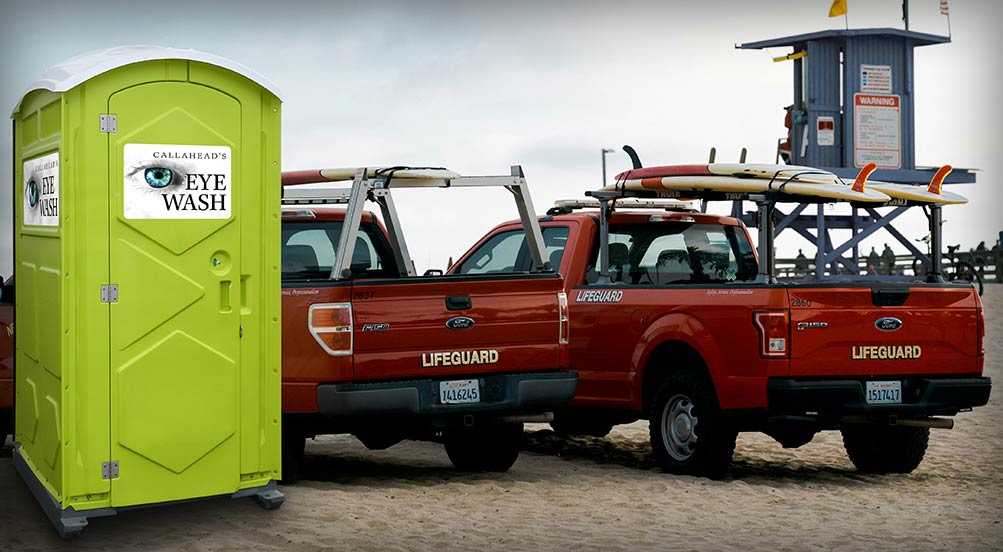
(920, 397)
(499, 394)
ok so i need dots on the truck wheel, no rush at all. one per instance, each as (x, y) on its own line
(885, 449)
(293, 446)
(688, 432)
(491, 447)
(568, 426)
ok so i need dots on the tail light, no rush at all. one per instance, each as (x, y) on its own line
(982, 332)
(331, 325)
(774, 333)
(565, 320)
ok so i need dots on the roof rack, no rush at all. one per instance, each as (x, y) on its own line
(353, 187)
(564, 206)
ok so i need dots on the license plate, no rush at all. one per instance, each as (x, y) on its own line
(459, 391)
(884, 392)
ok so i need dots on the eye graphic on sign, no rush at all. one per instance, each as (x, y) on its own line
(31, 192)
(156, 175)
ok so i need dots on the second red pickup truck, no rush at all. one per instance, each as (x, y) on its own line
(684, 333)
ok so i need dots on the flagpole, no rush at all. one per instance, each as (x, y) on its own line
(846, 21)
(948, 24)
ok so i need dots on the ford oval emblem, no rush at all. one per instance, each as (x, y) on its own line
(888, 324)
(460, 323)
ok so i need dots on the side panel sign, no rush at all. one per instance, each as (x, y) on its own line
(41, 190)
(177, 182)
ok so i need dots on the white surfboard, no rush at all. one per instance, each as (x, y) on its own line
(696, 186)
(933, 193)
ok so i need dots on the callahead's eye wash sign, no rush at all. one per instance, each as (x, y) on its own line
(177, 182)
(41, 190)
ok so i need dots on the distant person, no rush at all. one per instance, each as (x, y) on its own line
(801, 263)
(888, 260)
(873, 261)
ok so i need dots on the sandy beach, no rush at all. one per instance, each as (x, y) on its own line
(586, 494)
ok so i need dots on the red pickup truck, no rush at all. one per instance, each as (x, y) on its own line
(684, 333)
(372, 349)
(6, 359)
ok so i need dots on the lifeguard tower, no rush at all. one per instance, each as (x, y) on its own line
(853, 103)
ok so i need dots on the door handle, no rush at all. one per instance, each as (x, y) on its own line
(458, 302)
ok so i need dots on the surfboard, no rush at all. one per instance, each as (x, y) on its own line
(738, 170)
(933, 193)
(313, 176)
(734, 187)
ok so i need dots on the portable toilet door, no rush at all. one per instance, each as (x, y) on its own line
(147, 255)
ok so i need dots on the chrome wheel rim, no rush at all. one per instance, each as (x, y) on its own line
(679, 425)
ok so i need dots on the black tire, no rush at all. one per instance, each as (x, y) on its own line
(877, 448)
(489, 447)
(966, 271)
(567, 425)
(689, 434)
(293, 447)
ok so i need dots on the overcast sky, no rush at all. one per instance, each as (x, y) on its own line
(478, 86)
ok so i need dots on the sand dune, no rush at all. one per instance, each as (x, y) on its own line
(587, 494)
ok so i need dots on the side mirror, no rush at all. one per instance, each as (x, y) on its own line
(433, 272)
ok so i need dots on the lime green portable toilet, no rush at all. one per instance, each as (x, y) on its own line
(146, 245)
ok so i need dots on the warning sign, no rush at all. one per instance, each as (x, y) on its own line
(170, 181)
(41, 190)
(876, 79)
(877, 131)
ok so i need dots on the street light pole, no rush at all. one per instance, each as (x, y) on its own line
(604, 152)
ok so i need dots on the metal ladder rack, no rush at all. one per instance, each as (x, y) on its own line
(377, 188)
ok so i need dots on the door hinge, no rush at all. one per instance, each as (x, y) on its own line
(109, 470)
(241, 331)
(109, 293)
(109, 123)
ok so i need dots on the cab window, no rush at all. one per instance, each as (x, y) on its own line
(507, 252)
(676, 253)
(309, 249)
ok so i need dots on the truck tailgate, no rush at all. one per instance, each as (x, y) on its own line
(901, 330)
(456, 325)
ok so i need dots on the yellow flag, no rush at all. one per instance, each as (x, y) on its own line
(838, 8)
